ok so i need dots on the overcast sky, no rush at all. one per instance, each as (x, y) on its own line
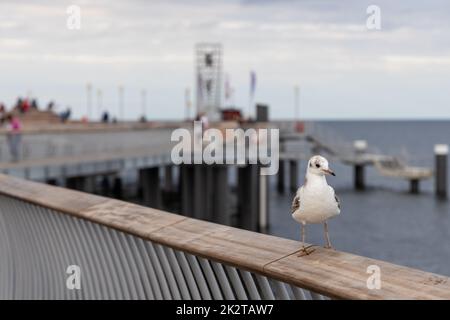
(344, 70)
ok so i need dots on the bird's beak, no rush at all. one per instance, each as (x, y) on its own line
(328, 171)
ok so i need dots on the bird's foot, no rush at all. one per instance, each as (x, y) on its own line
(305, 251)
(329, 247)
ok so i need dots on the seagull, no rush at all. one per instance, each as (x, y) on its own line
(315, 201)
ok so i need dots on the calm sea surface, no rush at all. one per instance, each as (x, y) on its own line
(384, 221)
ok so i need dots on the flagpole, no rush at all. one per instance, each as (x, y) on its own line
(121, 91)
(187, 99)
(89, 101)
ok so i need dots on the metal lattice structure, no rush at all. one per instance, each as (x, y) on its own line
(209, 78)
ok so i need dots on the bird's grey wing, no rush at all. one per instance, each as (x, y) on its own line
(295, 203)
(337, 201)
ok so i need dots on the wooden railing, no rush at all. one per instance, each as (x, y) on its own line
(130, 251)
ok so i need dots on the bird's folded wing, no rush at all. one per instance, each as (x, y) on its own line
(295, 203)
(338, 202)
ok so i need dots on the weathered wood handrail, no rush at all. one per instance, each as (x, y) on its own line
(331, 273)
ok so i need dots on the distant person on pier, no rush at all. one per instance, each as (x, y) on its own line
(14, 136)
(50, 106)
(2, 113)
(25, 107)
(64, 116)
(105, 117)
(34, 104)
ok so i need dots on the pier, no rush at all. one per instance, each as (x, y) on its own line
(97, 158)
(128, 251)
(290, 121)
(353, 153)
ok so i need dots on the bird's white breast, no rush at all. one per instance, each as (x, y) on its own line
(317, 204)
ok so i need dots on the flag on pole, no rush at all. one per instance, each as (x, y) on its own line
(227, 87)
(252, 83)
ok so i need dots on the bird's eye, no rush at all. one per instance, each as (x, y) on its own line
(317, 165)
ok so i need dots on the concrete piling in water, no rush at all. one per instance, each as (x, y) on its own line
(52, 181)
(82, 183)
(293, 175)
(200, 191)
(220, 191)
(205, 192)
(168, 178)
(441, 161)
(263, 203)
(151, 191)
(248, 196)
(414, 186)
(187, 189)
(360, 147)
(281, 176)
(117, 187)
(105, 185)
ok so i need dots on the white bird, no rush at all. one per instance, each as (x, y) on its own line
(315, 201)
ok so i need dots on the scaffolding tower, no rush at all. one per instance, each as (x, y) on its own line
(209, 79)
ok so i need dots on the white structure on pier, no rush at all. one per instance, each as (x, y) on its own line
(209, 79)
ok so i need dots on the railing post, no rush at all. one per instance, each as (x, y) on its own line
(441, 155)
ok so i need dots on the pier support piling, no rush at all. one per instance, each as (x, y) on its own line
(248, 196)
(360, 147)
(105, 185)
(168, 178)
(204, 192)
(220, 212)
(441, 161)
(151, 191)
(186, 186)
(359, 177)
(281, 176)
(263, 203)
(200, 191)
(117, 188)
(414, 186)
(52, 181)
(293, 175)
